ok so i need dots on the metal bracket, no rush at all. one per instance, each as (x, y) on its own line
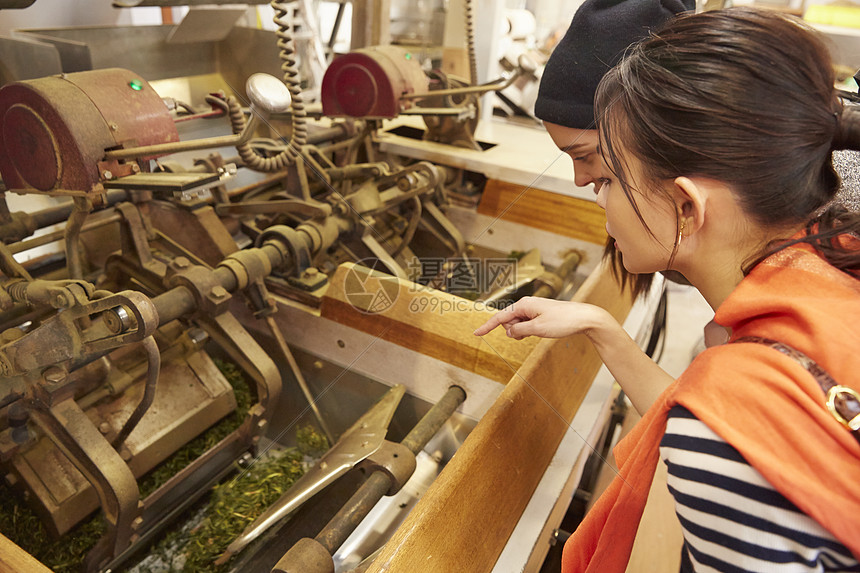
(289, 238)
(212, 298)
(396, 460)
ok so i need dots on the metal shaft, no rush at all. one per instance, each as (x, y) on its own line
(377, 485)
(294, 367)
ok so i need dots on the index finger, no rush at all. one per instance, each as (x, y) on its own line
(499, 318)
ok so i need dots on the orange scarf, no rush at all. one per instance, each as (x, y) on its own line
(758, 400)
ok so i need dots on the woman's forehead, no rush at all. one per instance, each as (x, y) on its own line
(571, 139)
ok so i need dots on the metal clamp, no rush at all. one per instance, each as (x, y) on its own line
(832, 395)
(212, 298)
(396, 460)
(286, 237)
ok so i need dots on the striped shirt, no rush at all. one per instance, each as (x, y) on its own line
(732, 518)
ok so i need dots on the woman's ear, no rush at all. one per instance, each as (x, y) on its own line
(691, 198)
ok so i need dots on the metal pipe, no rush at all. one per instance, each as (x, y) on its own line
(377, 485)
(192, 145)
(83, 206)
(57, 235)
(356, 509)
(133, 375)
(327, 134)
(294, 367)
(262, 183)
(554, 281)
(434, 419)
(154, 362)
(180, 300)
(493, 86)
(410, 230)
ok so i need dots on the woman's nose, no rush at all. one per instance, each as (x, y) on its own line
(582, 176)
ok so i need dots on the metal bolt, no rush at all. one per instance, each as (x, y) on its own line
(114, 126)
(311, 272)
(104, 427)
(60, 300)
(54, 375)
(107, 174)
(218, 292)
(198, 336)
(135, 168)
(181, 263)
(318, 365)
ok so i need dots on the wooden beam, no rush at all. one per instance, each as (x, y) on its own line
(371, 23)
(434, 323)
(13, 559)
(559, 214)
(464, 520)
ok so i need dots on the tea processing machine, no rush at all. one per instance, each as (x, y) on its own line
(174, 223)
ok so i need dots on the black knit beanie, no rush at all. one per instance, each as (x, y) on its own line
(599, 34)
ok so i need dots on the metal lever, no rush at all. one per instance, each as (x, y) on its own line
(361, 440)
(268, 95)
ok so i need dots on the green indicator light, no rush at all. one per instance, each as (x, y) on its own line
(136, 85)
(408, 56)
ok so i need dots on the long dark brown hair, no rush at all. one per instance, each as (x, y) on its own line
(746, 97)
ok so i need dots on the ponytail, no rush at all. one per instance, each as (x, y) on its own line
(847, 135)
(835, 232)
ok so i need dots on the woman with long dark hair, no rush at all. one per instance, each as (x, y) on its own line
(718, 134)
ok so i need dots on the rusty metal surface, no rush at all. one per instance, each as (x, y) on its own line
(202, 233)
(362, 439)
(163, 261)
(63, 494)
(71, 429)
(370, 82)
(381, 482)
(132, 113)
(56, 129)
(306, 556)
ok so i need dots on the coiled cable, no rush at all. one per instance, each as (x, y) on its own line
(289, 66)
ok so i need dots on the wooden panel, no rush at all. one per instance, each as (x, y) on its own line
(434, 323)
(560, 214)
(465, 519)
(13, 559)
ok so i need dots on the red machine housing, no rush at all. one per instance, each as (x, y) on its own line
(369, 83)
(55, 130)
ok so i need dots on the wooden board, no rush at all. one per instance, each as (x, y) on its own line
(464, 520)
(434, 323)
(13, 559)
(559, 214)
